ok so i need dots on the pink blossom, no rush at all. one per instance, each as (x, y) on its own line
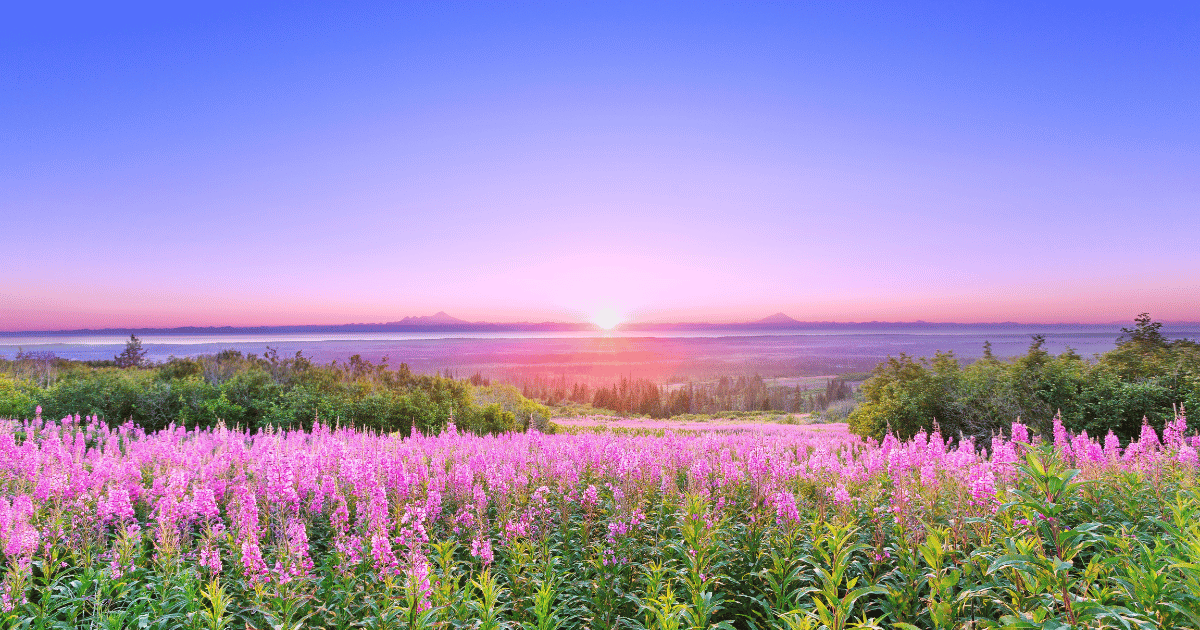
(785, 508)
(482, 548)
(1020, 432)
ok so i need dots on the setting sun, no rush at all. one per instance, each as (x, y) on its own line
(607, 318)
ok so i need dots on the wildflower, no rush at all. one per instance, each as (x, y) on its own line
(785, 508)
(1174, 431)
(1187, 455)
(204, 504)
(253, 566)
(481, 548)
(417, 580)
(590, 498)
(982, 484)
(298, 562)
(1148, 440)
(210, 559)
(383, 555)
(1020, 432)
(1112, 445)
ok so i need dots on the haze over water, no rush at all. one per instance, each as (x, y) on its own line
(658, 354)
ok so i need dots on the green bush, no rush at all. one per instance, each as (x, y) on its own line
(257, 392)
(15, 400)
(492, 419)
(1144, 377)
(526, 413)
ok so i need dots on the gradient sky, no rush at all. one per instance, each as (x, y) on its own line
(208, 164)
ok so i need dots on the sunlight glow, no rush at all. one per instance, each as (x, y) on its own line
(607, 318)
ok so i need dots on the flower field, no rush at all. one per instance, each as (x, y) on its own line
(769, 526)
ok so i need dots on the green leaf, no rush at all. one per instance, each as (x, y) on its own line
(1019, 561)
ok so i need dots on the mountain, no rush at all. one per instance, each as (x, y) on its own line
(438, 319)
(442, 322)
(776, 319)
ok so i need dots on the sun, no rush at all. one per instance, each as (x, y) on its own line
(607, 318)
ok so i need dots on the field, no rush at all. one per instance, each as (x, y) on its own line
(760, 423)
(737, 525)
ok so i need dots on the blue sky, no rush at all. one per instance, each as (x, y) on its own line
(312, 163)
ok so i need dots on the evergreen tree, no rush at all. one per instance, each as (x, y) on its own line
(133, 355)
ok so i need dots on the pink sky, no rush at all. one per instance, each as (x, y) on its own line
(254, 165)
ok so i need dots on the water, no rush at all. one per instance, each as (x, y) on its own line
(654, 354)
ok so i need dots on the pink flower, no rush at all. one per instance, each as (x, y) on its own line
(1188, 456)
(1174, 431)
(839, 494)
(1112, 445)
(210, 559)
(982, 484)
(1020, 432)
(253, 566)
(482, 548)
(785, 508)
(590, 498)
(296, 558)
(1148, 440)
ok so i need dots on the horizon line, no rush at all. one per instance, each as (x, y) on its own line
(634, 325)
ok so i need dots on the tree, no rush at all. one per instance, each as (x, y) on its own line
(988, 355)
(133, 355)
(1142, 378)
(906, 396)
(1142, 352)
(1147, 334)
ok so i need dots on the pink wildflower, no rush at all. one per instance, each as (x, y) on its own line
(785, 508)
(481, 548)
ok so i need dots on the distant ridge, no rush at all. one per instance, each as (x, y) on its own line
(437, 319)
(444, 322)
(777, 318)
(438, 322)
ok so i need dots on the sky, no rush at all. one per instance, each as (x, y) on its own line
(168, 164)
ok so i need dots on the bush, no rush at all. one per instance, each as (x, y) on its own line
(492, 419)
(15, 400)
(526, 413)
(257, 392)
(1144, 377)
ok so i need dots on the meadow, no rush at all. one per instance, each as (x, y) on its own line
(734, 526)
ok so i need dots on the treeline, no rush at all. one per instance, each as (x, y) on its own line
(1145, 376)
(640, 396)
(257, 392)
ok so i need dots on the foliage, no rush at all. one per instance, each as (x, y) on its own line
(503, 408)
(1145, 376)
(722, 395)
(778, 528)
(16, 399)
(259, 392)
(133, 355)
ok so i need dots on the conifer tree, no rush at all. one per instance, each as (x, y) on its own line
(133, 355)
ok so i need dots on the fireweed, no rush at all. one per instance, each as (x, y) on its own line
(747, 526)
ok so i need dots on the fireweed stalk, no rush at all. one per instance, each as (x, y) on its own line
(525, 527)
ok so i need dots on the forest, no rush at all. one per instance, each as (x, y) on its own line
(646, 397)
(255, 392)
(1146, 377)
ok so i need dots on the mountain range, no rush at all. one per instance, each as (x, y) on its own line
(444, 322)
